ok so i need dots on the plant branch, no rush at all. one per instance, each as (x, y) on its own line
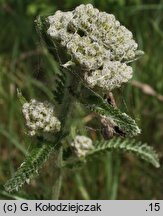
(64, 111)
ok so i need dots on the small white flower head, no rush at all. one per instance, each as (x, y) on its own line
(112, 75)
(82, 145)
(40, 119)
(97, 44)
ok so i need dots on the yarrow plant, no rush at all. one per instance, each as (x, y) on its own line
(94, 51)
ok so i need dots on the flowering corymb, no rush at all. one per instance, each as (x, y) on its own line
(96, 43)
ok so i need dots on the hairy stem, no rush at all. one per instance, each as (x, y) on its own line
(66, 101)
(64, 112)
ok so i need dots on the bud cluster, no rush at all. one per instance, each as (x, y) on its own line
(40, 119)
(82, 145)
(95, 42)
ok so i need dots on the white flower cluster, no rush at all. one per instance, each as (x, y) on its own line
(111, 75)
(96, 43)
(82, 145)
(40, 119)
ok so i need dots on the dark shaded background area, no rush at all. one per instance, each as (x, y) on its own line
(24, 63)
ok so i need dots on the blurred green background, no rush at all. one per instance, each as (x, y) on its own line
(24, 63)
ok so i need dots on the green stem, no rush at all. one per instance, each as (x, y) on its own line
(58, 176)
(10, 196)
(109, 174)
(64, 111)
(83, 191)
(66, 100)
(115, 178)
(112, 178)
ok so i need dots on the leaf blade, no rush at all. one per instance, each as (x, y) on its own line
(144, 151)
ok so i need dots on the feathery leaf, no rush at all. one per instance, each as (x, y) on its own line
(60, 85)
(144, 151)
(29, 168)
(124, 122)
(96, 103)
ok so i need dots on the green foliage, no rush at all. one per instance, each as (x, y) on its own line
(60, 85)
(18, 39)
(125, 123)
(96, 103)
(21, 99)
(144, 151)
(138, 148)
(29, 168)
(41, 27)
